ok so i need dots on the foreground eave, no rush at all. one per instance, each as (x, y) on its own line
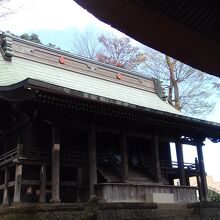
(30, 87)
(166, 34)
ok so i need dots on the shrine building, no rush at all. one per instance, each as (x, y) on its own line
(71, 127)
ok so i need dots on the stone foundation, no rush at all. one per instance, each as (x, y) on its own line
(113, 211)
(207, 210)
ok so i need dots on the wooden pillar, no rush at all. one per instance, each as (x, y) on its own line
(43, 180)
(198, 177)
(179, 152)
(29, 136)
(124, 156)
(55, 165)
(18, 181)
(5, 192)
(156, 162)
(203, 183)
(78, 182)
(92, 159)
(20, 150)
(187, 181)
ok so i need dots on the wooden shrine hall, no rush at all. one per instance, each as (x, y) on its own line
(71, 127)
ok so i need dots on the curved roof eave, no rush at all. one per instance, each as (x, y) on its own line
(31, 86)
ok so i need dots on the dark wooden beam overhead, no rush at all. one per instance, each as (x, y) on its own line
(186, 30)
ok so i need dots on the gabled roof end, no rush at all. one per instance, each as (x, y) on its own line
(6, 45)
(159, 90)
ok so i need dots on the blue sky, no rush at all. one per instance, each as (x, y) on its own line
(53, 21)
(56, 21)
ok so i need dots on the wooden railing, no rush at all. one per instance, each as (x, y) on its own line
(70, 156)
(66, 156)
(147, 163)
(173, 164)
(8, 157)
(41, 154)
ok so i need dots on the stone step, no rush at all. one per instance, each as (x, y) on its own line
(113, 180)
(134, 175)
(139, 180)
(137, 174)
(109, 175)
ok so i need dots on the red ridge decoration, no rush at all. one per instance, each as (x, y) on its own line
(62, 60)
(119, 76)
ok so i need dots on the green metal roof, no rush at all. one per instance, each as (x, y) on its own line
(22, 59)
(20, 69)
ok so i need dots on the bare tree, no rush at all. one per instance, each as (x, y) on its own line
(217, 85)
(85, 44)
(5, 10)
(187, 89)
(120, 52)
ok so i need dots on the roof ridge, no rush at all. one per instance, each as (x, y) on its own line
(71, 55)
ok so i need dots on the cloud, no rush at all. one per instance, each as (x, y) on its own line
(36, 15)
